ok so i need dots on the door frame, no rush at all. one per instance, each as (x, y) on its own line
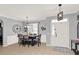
(2, 31)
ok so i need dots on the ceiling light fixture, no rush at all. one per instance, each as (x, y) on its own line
(60, 14)
(26, 24)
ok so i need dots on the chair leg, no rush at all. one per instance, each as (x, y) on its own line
(28, 44)
(39, 43)
(19, 43)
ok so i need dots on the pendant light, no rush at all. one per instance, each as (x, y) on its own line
(60, 14)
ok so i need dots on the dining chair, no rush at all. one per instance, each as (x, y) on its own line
(26, 40)
(38, 40)
(20, 37)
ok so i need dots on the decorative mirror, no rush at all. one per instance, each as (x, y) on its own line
(43, 28)
(16, 28)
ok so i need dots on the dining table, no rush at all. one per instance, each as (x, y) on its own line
(32, 39)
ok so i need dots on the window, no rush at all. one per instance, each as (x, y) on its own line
(33, 28)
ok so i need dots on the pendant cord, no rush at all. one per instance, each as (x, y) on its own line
(59, 7)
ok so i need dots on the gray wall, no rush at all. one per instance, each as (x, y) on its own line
(8, 24)
(46, 32)
(7, 28)
(72, 27)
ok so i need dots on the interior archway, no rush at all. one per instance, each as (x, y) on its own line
(1, 32)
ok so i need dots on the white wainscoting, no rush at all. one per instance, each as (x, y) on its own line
(12, 39)
(43, 38)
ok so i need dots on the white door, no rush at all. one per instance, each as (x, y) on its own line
(60, 36)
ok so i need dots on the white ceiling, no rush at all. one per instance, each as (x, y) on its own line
(34, 11)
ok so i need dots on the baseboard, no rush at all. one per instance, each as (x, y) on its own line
(5, 45)
(48, 45)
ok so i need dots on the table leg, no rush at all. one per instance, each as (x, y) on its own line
(32, 42)
(75, 47)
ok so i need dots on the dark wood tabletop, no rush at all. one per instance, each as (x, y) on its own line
(75, 41)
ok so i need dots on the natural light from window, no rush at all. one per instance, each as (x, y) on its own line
(33, 28)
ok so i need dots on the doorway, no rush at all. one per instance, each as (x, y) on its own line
(1, 34)
(59, 33)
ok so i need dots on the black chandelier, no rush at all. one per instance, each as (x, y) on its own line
(60, 14)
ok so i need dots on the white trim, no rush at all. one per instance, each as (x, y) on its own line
(56, 21)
